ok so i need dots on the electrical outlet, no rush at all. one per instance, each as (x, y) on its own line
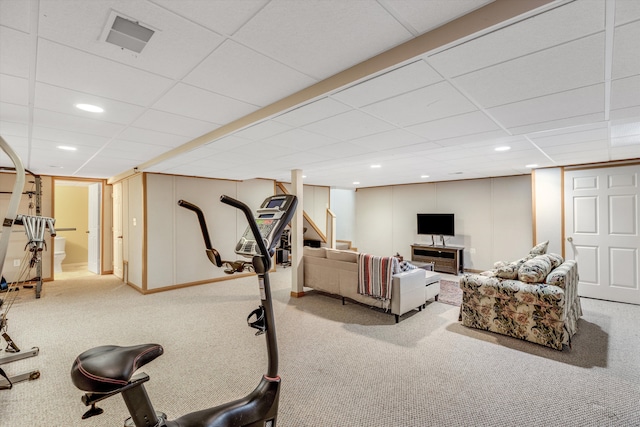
(472, 251)
(16, 263)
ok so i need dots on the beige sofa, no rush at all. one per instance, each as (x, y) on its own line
(336, 272)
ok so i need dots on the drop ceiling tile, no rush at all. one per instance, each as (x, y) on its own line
(66, 137)
(61, 100)
(262, 130)
(571, 136)
(13, 45)
(626, 11)
(558, 124)
(152, 137)
(422, 105)
(15, 14)
(69, 68)
(582, 157)
(342, 150)
(568, 104)
(398, 81)
(175, 47)
(312, 112)
(557, 26)
(185, 100)
(299, 140)
(55, 120)
(222, 16)
(330, 36)
(259, 150)
(625, 152)
(349, 125)
(625, 93)
(14, 90)
(425, 16)
(230, 142)
(137, 150)
(13, 129)
(626, 45)
(455, 126)
(569, 66)
(238, 72)
(20, 145)
(14, 113)
(392, 139)
(162, 121)
(556, 150)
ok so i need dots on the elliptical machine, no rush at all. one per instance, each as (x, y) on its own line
(105, 371)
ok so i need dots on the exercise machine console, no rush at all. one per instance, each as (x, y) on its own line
(105, 371)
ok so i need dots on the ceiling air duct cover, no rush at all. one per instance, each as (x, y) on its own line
(128, 34)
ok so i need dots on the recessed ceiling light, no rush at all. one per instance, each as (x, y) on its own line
(424, 176)
(356, 182)
(503, 148)
(66, 148)
(533, 165)
(376, 166)
(90, 108)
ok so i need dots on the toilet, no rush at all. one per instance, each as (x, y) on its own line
(59, 254)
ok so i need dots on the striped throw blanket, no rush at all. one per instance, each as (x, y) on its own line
(374, 276)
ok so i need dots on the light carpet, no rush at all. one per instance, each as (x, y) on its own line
(341, 365)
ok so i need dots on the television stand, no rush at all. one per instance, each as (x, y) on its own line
(446, 259)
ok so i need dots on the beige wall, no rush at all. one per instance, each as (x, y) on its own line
(72, 211)
(493, 217)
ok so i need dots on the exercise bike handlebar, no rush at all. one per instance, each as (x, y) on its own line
(213, 254)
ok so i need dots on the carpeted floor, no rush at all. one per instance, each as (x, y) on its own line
(341, 365)
(450, 293)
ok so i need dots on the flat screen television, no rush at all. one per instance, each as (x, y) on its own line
(436, 224)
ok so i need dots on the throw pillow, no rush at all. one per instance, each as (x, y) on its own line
(555, 259)
(540, 248)
(535, 270)
(510, 271)
(406, 266)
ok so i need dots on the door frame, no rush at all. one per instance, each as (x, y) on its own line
(56, 180)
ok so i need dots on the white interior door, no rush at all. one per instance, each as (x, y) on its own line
(93, 256)
(117, 231)
(601, 227)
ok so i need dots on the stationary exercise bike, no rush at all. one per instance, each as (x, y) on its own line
(105, 371)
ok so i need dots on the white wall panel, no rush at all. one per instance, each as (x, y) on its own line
(135, 230)
(512, 221)
(374, 220)
(175, 246)
(161, 244)
(192, 264)
(409, 200)
(548, 215)
(493, 217)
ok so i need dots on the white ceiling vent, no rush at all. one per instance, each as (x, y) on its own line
(126, 33)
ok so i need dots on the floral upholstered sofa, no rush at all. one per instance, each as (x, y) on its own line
(534, 298)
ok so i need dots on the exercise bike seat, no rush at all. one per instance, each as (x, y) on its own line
(109, 367)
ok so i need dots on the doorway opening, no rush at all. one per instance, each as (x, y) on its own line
(77, 207)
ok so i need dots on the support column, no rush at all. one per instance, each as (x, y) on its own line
(297, 232)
